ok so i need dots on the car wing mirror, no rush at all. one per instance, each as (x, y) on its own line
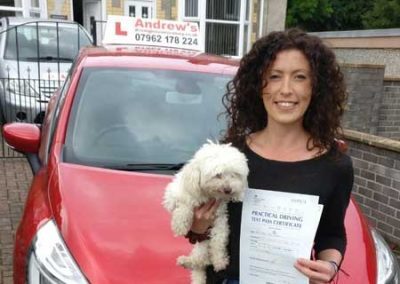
(22, 137)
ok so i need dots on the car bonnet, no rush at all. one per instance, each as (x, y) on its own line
(115, 226)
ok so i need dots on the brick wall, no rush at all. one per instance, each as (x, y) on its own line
(59, 7)
(374, 101)
(365, 87)
(389, 113)
(376, 163)
(115, 7)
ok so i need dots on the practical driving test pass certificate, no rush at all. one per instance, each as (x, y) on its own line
(277, 228)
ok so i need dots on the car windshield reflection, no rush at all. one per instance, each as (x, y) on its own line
(143, 119)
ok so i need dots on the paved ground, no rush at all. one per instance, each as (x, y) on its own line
(15, 177)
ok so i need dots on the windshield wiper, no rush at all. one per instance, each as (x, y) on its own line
(148, 167)
(50, 58)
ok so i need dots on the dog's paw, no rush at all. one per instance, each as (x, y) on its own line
(220, 264)
(199, 276)
(181, 221)
(185, 261)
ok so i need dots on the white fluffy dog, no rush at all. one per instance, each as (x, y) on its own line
(217, 171)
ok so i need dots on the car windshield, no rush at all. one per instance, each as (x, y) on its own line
(139, 119)
(70, 38)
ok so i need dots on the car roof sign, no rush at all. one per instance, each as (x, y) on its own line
(123, 30)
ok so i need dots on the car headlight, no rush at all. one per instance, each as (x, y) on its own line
(50, 260)
(20, 87)
(388, 267)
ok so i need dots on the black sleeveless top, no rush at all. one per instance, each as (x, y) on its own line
(330, 176)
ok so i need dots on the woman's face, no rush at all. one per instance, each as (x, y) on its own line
(289, 87)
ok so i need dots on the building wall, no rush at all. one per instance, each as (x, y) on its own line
(381, 47)
(59, 8)
(254, 20)
(382, 56)
(376, 162)
(373, 102)
(160, 14)
(167, 9)
(365, 88)
(275, 15)
(114, 7)
(389, 113)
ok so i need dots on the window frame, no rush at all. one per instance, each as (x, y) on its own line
(244, 20)
(26, 8)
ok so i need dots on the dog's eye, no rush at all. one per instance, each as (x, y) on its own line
(218, 175)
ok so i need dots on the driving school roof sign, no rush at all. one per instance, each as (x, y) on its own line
(123, 30)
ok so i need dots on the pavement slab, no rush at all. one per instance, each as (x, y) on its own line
(15, 178)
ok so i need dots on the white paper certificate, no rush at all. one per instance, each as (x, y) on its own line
(277, 228)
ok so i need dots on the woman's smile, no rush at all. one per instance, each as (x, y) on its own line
(286, 105)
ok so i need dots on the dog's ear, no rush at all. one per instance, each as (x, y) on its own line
(190, 175)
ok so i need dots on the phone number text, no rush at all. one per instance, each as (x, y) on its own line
(166, 39)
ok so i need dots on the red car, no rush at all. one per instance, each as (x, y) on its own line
(121, 125)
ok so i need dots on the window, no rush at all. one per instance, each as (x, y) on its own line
(23, 8)
(35, 11)
(132, 12)
(35, 4)
(10, 14)
(145, 12)
(222, 38)
(12, 3)
(223, 10)
(231, 9)
(34, 14)
(11, 8)
(49, 125)
(139, 8)
(191, 8)
(224, 26)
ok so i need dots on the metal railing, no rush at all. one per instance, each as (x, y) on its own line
(36, 58)
(97, 28)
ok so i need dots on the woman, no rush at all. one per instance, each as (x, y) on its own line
(284, 108)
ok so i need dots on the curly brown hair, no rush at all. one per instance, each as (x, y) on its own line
(245, 110)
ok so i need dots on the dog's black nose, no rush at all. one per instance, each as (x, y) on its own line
(227, 190)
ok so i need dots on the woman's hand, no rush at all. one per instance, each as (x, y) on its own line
(318, 271)
(204, 216)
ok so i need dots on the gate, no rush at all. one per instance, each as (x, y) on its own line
(34, 62)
